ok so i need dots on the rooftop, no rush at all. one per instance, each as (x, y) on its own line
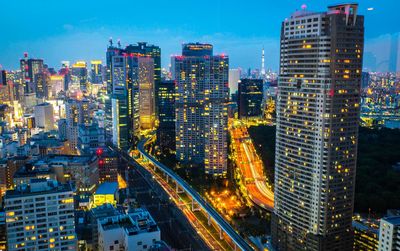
(395, 220)
(107, 188)
(37, 187)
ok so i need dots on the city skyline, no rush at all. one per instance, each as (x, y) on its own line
(241, 38)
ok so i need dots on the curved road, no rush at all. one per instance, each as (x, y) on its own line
(227, 229)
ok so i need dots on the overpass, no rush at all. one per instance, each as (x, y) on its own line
(212, 214)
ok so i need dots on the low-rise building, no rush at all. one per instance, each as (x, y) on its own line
(105, 193)
(135, 231)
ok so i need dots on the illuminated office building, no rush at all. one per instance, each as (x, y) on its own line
(30, 67)
(201, 107)
(96, 71)
(250, 98)
(146, 93)
(40, 216)
(166, 115)
(149, 50)
(317, 129)
(79, 71)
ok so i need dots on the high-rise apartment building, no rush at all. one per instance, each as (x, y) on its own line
(250, 98)
(317, 129)
(201, 107)
(77, 112)
(40, 216)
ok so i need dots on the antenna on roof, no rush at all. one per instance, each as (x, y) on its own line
(119, 43)
(110, 41)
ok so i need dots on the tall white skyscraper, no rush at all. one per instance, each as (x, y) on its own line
(317, 129)
(40, 216)
(201, 107)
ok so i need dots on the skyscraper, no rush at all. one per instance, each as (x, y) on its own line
(146, 93)
(166, 115)
(201, 107)
(250, 98)
(30, 67)
(317, 129)
(96, 72)
(148, 50)
(79, 71)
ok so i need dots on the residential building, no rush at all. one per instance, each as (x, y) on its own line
(40, 216)
(201, 107)
(317, 129)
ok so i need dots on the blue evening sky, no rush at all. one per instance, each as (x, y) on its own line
(78, 29)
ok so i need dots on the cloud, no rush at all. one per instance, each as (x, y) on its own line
(68, 27)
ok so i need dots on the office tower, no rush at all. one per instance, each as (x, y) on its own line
(79, 72)
(234, 77)
(389, 234)
(30, 67)
(77, 112)
(144, 49)
(201, 107)
(96, 72)
(56, 85)
(166, 116)
(121, 102)
(108, 122)
(317, 129)
(146, 93)
(250, 98)
(135, 231)
(42, 84)
(44, 116)
(40, 216)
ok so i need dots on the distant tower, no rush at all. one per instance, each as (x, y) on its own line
(263, 63)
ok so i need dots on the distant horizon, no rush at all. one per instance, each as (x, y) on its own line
(80, 31)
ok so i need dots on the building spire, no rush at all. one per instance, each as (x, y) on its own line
(263, 63)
